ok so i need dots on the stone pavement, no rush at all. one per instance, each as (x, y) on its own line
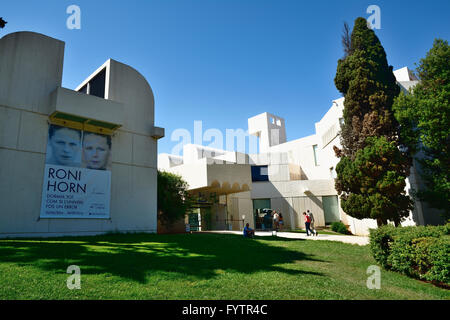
(359, 240)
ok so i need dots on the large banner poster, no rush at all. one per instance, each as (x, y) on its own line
(77, 177)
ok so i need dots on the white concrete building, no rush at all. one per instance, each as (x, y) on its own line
(289, 176)
(115, 103)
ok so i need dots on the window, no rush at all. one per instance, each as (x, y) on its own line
(96, 86)
(316, 163)
(260, 173)
(330, 209)
(84, 89)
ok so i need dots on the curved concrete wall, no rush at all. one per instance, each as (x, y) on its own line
(129, 87)
(30, 69)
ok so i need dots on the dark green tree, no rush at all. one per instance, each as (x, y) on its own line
(424, 115)
(174, 200)
(372, 169)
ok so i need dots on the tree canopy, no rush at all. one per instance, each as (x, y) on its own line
(424, 115)
(174, 200)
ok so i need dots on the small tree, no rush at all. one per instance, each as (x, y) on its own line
(372, 169)
(424, 115)
(174, 200)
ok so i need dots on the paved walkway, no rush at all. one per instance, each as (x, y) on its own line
(360, 240)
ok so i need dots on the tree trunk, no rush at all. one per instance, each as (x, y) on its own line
(379, 222)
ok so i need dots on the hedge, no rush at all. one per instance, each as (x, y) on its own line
(339, 227)
(420, 252)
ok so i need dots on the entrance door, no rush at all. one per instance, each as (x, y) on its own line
(194, 221)
(330, 209)
(258, 214)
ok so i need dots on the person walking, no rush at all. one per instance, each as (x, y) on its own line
(280, 221)
(309, 213)
(276, 218)
(307, 224)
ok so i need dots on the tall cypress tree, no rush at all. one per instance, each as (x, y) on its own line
(372, 169)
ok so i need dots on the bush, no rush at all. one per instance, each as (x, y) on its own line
(432, 260)
(421, 252)
(339, 227)
(380, 244)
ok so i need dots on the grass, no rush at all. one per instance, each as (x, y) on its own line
(197, 266)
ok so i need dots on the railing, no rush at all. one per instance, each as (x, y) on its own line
(222, 224)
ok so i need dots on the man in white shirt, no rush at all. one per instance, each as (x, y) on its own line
(275, 220)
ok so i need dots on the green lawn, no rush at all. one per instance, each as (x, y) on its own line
(197, 266)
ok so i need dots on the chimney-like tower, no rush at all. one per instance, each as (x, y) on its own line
(269, 128)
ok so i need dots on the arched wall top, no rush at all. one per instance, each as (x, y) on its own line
(31, 66)
(226, 185)
(236, 186)
(215, 184)
(128, 86)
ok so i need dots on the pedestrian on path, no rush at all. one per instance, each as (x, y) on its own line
(280, 221)
(275, 220)
(307, 224)
(309, 213)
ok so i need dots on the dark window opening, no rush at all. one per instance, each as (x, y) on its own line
(83, 89)
(260, 173)
(97, 84)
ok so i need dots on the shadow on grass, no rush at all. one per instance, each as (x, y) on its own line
(136, 256)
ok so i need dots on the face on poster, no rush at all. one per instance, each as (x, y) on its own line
(64, 146)
(96, 151)
(77, 177)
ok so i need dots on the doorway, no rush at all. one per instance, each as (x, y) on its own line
(331, 209)
(262, 218)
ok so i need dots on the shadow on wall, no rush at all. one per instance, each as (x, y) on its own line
(314, 199)
(137, 257)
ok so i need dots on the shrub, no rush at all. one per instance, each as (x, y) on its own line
(432, 260)
(339, 227)
(421, 252)
(380, 244)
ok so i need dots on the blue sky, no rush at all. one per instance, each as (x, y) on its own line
(223, 61)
